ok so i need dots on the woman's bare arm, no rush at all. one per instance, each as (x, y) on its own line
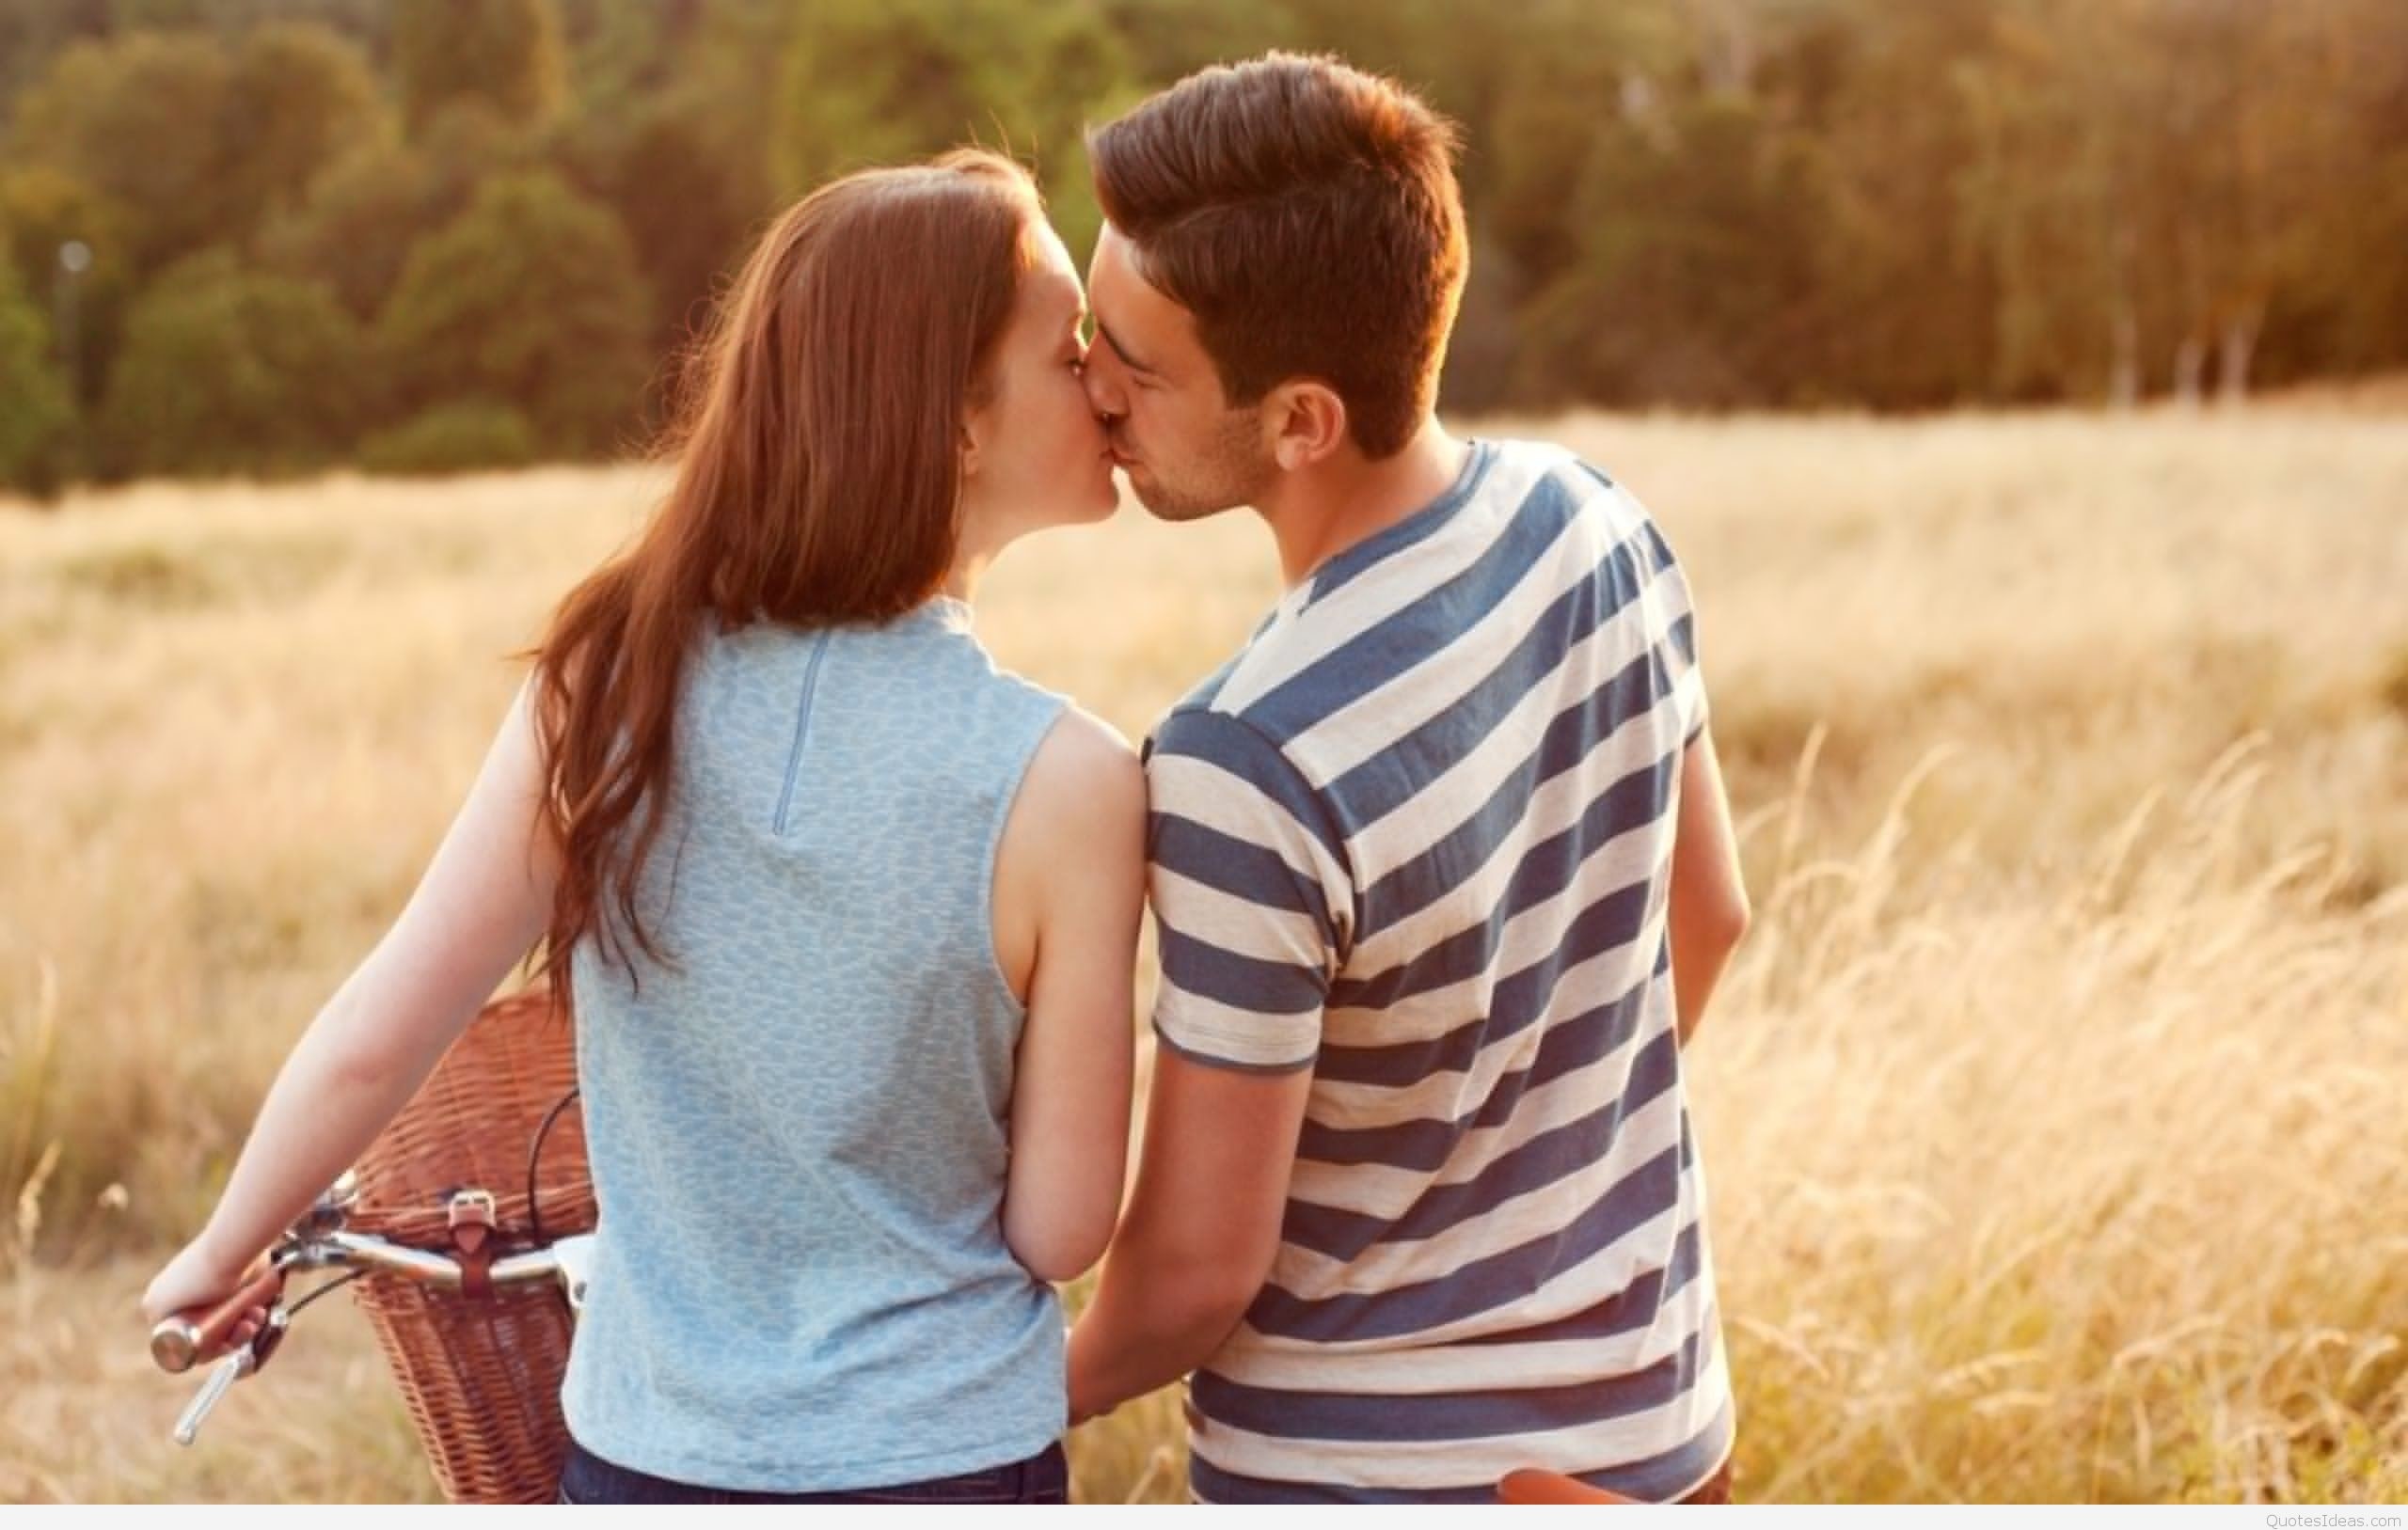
(1072, 865)
(482, 904)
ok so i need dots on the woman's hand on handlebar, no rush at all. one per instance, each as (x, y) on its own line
(196, 1282)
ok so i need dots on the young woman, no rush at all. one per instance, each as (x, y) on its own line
(846, 915)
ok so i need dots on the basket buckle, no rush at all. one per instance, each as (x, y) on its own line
(471, 1208)
(473, 1216)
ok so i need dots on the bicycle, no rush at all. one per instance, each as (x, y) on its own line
(322, 1241)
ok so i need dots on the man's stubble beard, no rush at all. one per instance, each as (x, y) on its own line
(1232, 471)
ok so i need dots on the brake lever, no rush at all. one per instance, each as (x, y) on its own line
(246, 1360)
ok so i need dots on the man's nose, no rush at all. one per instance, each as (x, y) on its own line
(1105, 394)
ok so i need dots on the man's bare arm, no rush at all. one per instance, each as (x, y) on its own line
(1709, 898)
(1202, 1230)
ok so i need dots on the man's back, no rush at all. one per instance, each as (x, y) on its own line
(1417, 836)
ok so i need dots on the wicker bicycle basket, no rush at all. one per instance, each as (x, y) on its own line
(481, 1375)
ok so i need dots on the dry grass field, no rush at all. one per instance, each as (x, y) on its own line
(2053, 1115)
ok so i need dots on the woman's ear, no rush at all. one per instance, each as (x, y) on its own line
(974, 431)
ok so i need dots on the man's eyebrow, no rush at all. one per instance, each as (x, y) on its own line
(1122, 350)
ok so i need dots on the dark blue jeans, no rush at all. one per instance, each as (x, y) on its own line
(1043, 1478)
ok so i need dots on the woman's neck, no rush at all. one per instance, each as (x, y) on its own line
(961, 580)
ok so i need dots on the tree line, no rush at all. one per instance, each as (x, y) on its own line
(265, 236)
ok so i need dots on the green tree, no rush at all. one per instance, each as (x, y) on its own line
(41, 211)
(881, 82)
(372, 207)
(356, 230)
(2254, 151)
(33, 427)
(506, 53)
(194, 146)
(530, 297)
(466, 436)
(734, 62)
(683, 208)
(229, 371)
(139, 120)
(32, 32)
(468, 140)
(1692, 278)
(299, 98)
(1905, 295)
(1576, 68)
(2344, 308)
(1165, 39)
(621, 51)
(362, 21)
(2066, 195)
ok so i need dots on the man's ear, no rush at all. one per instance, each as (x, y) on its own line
(1306, 421)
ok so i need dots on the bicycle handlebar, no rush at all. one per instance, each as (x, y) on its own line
(181, 1340)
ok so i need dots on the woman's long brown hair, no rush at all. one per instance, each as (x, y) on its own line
(818, 481)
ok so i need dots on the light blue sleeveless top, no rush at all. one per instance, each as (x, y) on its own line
(798, 1131)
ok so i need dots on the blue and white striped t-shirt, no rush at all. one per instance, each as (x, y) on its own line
(1417, 836)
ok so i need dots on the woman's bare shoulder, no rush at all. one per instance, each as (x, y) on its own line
(1084, 778)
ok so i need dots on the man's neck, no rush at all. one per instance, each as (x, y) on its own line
(1319, 514)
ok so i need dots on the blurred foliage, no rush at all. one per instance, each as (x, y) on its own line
(531, 296)
(42, 211)
(228, 368)
(140, 121)
(34, 425)
(503, 53)
(356, 230)
(460, 438)
(870, 82)
(1707, 203)
(300, 96)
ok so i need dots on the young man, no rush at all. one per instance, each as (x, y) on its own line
(1441, 861)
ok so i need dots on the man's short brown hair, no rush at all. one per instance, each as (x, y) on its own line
(1307, 213)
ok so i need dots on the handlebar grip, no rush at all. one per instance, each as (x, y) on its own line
(178, 1341)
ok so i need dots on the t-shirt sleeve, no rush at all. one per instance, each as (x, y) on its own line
(1251, 896)
(1676, 638)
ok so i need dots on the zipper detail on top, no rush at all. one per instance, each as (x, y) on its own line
(801, 732)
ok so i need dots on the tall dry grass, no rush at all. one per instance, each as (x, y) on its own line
(2050, 1116)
